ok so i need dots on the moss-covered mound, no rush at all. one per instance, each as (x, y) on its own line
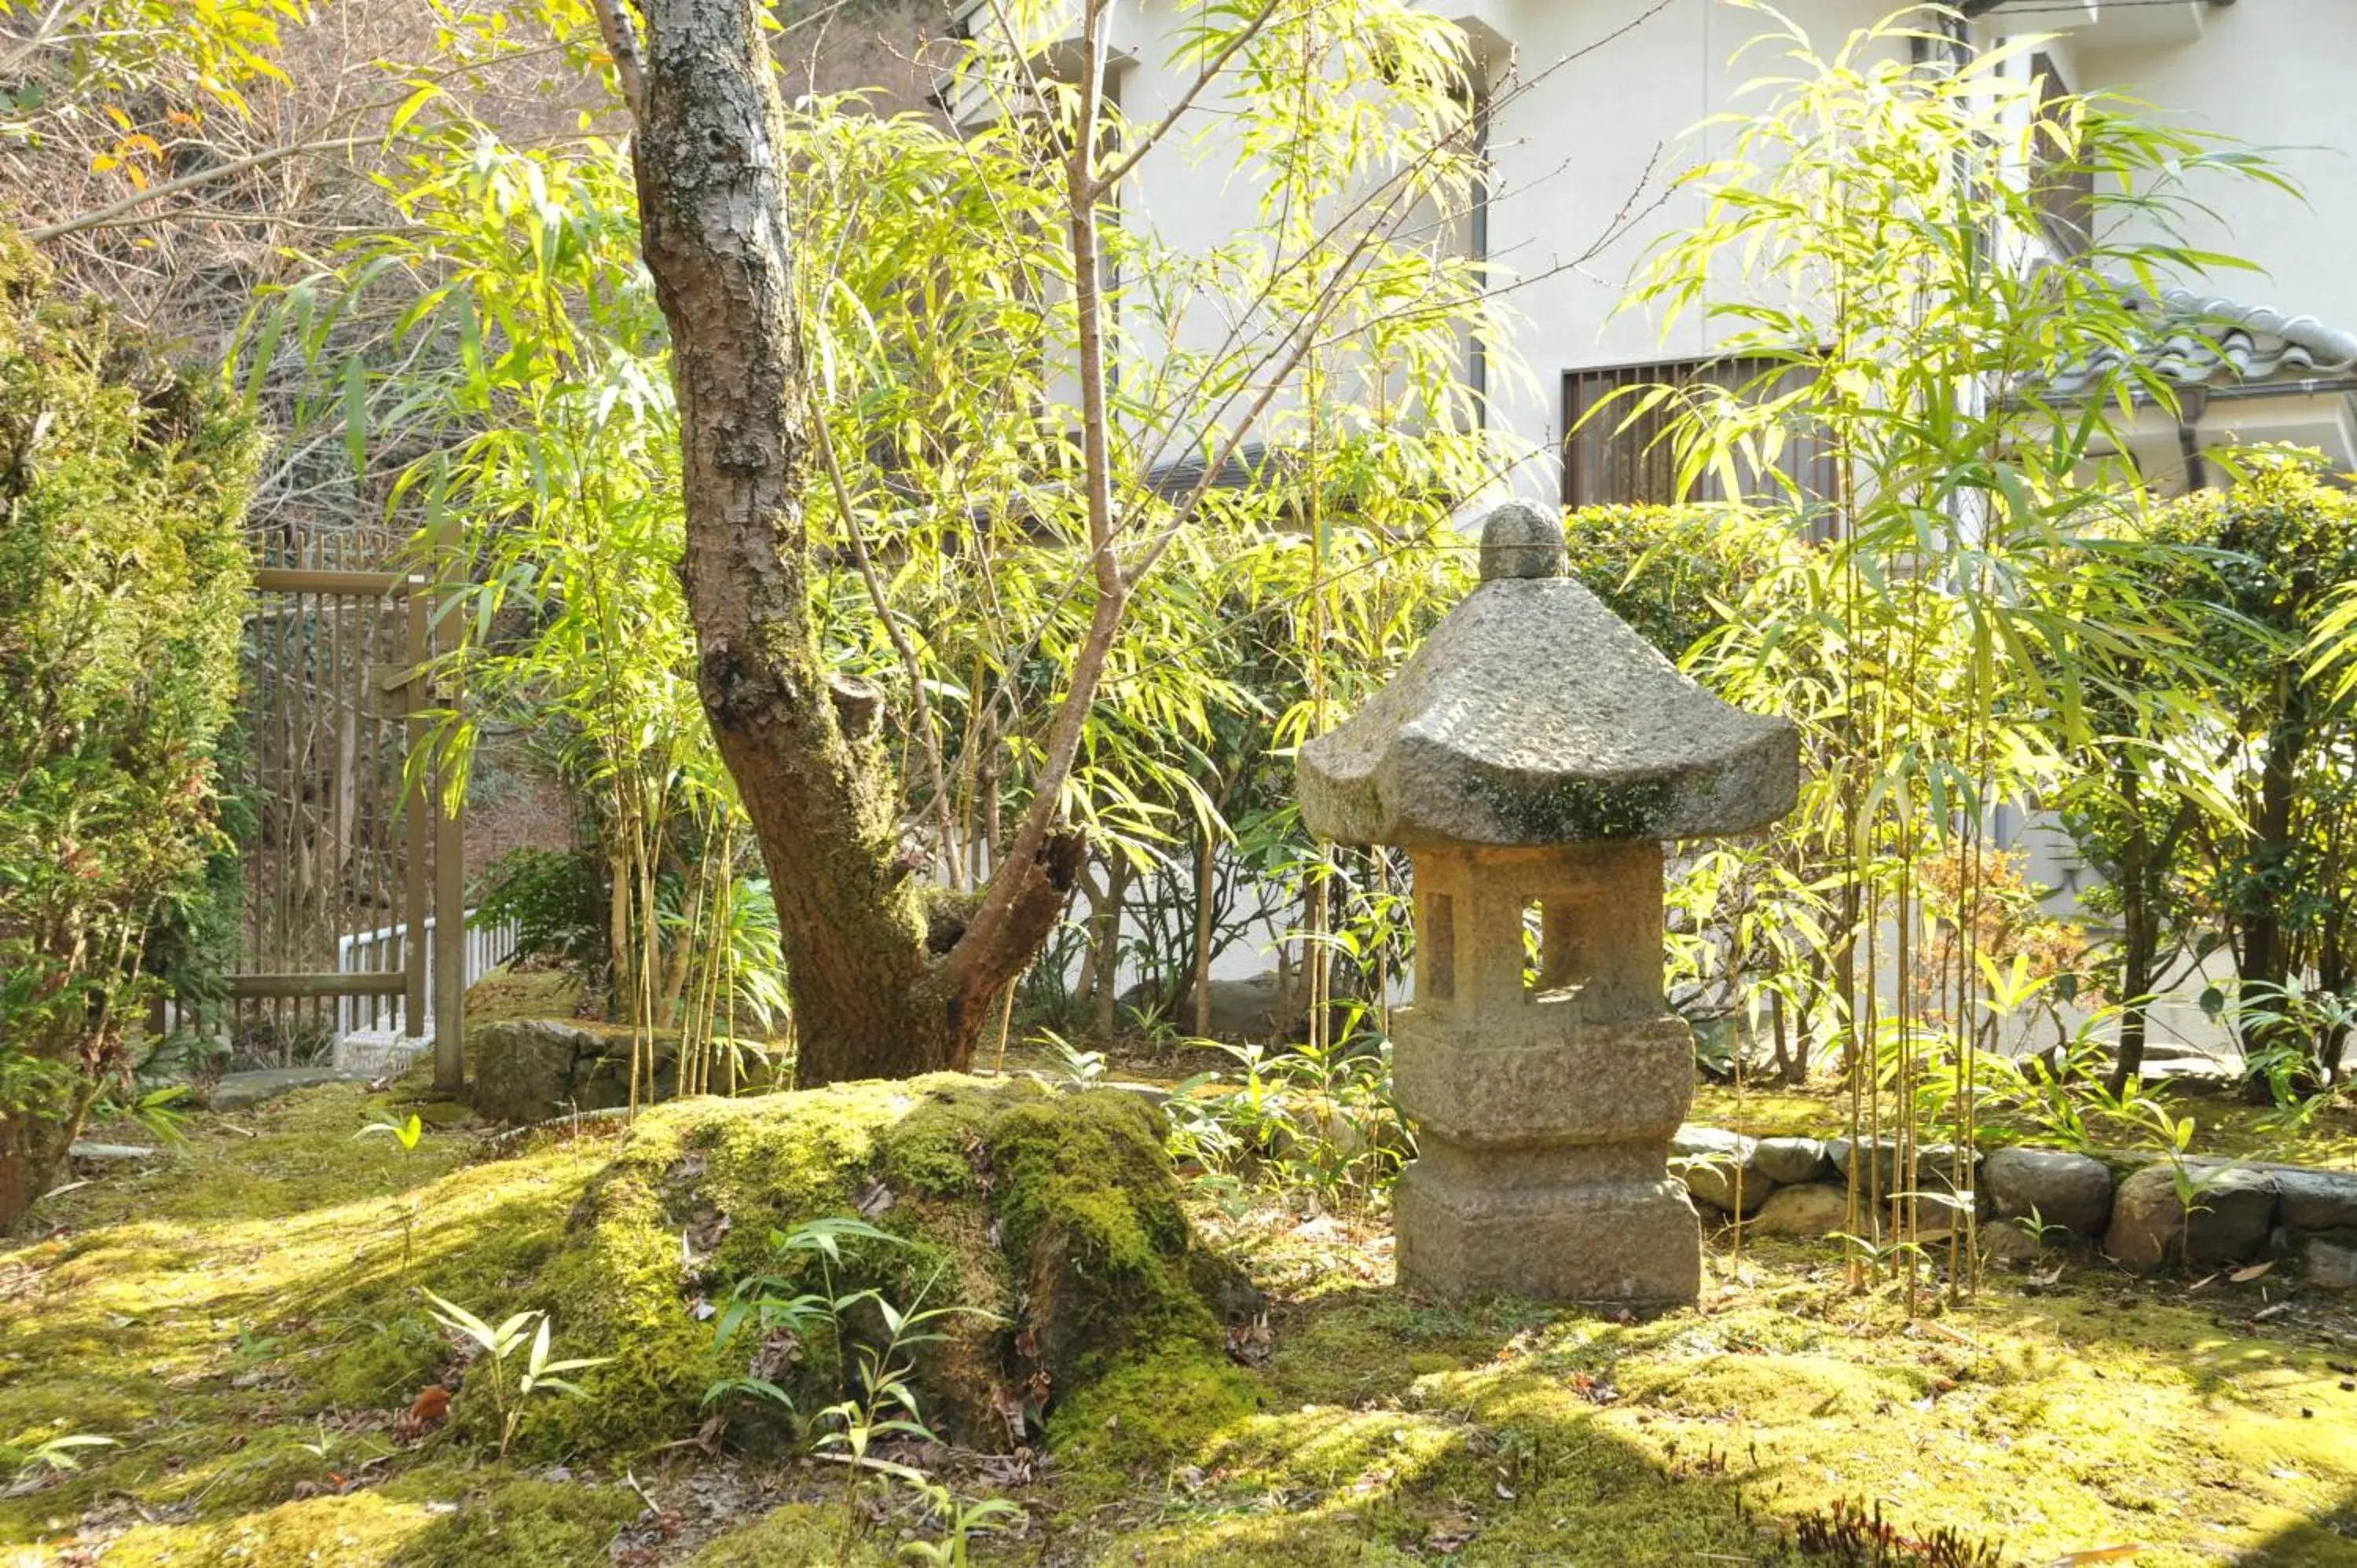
(1048, 1224)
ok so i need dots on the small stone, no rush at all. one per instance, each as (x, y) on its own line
(1518, 540)
(531, 1069)
(2316, 1200)
(2331, 1266)
(1789, 1162)
(2006, 1239)
(244, 1091)
(2232, 1210)
(2074, 1191)
(1714, 1163)
(1934, 1165)
(1819, 1208)
(97, 1153)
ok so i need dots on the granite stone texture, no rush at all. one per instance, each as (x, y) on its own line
(1819, 1208)
(1634, 1243)
(1790, 1161)
(1518, 540)
(530, 1069)
(2074, 1191)
(1533, 715)
(1591, 1086)
(2313, 1200)
(1720, 1169)
(2230, 1216)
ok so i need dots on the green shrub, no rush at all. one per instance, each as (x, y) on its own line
(1673, 573)
(556, 899)
(122, 577)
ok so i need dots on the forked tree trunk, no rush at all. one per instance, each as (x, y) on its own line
(879, 990)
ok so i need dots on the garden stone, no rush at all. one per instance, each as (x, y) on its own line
(2331, 1265)
(2074, 1191)
(1532, 757)
(2316, 1200)
(104, 1153)
(1244, 1009)
(2009, 1241)
(2232, 1217)
(533, 1069)
(1710, 1161)
(1819, 1208)
(1934, 1164)
(1789, 1162)
(244, 1091)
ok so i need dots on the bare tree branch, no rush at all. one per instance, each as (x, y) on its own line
(113, 212)
(621, 35)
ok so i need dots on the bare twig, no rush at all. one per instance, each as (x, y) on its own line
(107, 216)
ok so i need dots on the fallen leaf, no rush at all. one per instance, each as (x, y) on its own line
(2245, 1276)
(429, 1410)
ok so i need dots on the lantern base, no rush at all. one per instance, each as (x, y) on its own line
(1630, 1243)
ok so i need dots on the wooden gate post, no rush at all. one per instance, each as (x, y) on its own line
(450, 849)
(415, 891)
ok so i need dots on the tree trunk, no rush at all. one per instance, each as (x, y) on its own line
(2266, 950)
(879, 988)
(32, 1152)
(2137, 946)
(1104, 949)
(1206, 885)
(16, 1192)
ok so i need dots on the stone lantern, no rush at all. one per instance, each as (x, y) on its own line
(1532, 757)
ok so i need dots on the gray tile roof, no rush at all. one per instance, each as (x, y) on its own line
(2202, 340)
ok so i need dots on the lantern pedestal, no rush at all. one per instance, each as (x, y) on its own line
(1634, 1243)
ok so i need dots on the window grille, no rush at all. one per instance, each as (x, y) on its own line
(1612, 459)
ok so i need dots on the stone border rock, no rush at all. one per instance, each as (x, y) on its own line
(2131, 1204)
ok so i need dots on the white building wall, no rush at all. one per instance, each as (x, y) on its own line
(2273, 74)
(1587, 153)
(1603, 103)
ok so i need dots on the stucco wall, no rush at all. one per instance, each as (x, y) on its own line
(2273, 74)
(1603, 109)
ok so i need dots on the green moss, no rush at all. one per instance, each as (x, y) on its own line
(1052, 1223)
(1383, 1429)
(437, 1518)
(1148, 1413)
(796, 1533)
(505, 994)
(1575, 811)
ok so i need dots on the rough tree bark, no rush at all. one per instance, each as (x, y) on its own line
(887, 979)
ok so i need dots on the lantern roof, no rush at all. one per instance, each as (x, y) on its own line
(1532, 715)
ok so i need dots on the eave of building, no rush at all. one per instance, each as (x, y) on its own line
(2211, 343)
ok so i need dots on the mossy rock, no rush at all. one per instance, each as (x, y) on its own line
(1050, 1222)
(531, 1069)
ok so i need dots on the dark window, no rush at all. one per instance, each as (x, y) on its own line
(1612, 459)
